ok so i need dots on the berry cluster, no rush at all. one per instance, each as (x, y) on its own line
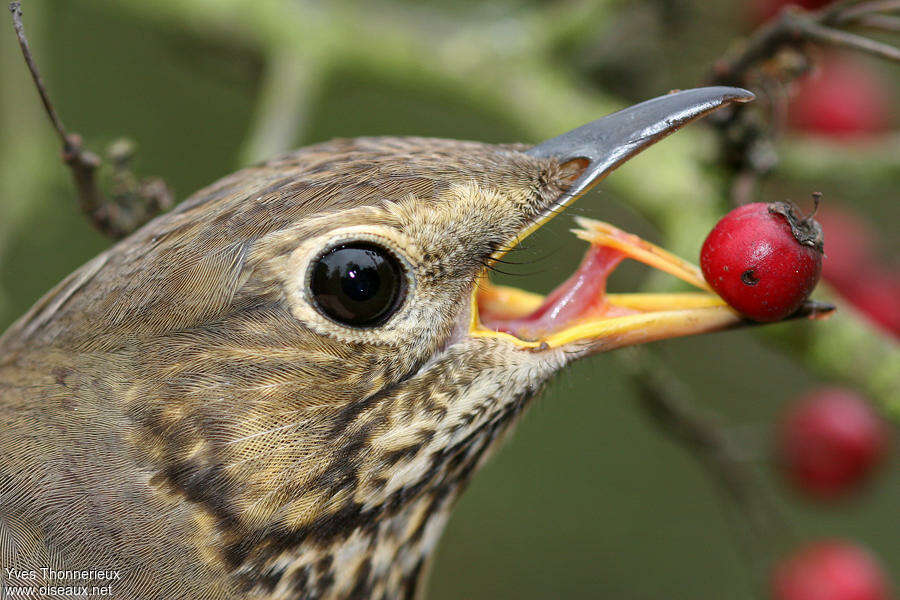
(765, 260)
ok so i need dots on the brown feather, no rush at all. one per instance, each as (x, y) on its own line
(176, 410)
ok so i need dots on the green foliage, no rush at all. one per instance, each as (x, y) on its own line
(588, 499)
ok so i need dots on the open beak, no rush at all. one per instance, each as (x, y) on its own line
(580, 311)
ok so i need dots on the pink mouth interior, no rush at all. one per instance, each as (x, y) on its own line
(582, 296)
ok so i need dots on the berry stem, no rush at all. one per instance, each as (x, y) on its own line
(806, 230)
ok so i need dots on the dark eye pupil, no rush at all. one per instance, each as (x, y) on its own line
(358, 283)
(361, 283)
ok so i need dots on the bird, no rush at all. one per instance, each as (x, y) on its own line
(280, 388)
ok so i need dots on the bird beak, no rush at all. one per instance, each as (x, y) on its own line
(608, 142)
(580, 311)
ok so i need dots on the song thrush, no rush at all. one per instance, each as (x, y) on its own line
(280, 388)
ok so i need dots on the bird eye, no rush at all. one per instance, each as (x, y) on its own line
(357, 283)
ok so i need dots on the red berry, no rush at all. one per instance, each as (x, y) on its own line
(877, 297)
(832, 570)
(763, 260)
(850, 247)
(830, 441)
(842, 98)
(854, 267)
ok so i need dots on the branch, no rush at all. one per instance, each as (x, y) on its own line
(668, 403)
(16, 9)
(793, 27)
(27, 165)
(841, 13)
(136, 201)
(847, 347)
(880, 22)
(282, 106)
(814, 32)
(746, 140)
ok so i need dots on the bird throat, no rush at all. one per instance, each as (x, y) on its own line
(379, 551)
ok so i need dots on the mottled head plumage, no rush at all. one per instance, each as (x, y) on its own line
(291, 436)
(182, 409)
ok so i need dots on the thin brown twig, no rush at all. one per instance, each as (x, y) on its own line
(836, 8)
(16, 9)
(888, 23)
(746, 139)
(795, 27)
(134, 204)
(84, 164)
(838, 14)
(814, 32)
(763, 528)
(667, 403)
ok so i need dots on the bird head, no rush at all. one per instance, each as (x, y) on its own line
(302, 364)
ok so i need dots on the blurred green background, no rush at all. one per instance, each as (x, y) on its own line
(588, 499)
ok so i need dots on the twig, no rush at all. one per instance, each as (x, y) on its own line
(880, 22)
(83, 163)
(26, 163)
(744, 138)
(835, 37)
(838, 14)
(283, 104)
(667, 402)
(128, 209)
(838, 347)
(16, 9)
(794, 27)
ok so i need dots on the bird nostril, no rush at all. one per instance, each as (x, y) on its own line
(570, 171)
